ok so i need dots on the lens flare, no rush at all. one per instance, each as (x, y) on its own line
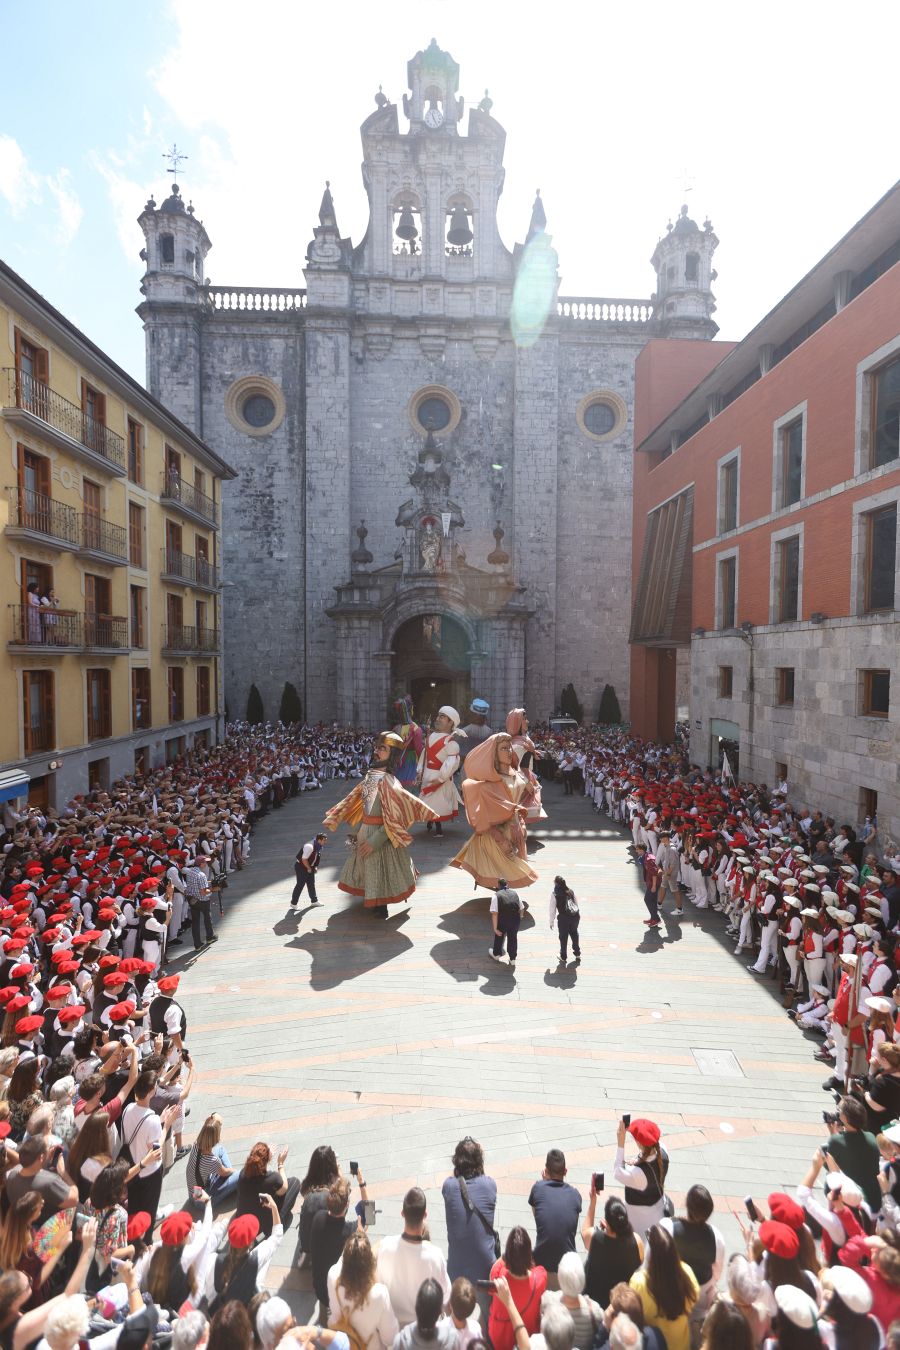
(535, 290)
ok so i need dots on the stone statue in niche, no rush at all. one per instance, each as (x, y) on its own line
(430, 547)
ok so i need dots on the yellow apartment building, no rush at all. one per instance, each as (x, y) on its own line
(110, 651)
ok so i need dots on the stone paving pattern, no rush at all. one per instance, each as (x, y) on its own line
(392, 1040)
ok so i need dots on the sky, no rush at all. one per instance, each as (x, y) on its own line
(776, 120)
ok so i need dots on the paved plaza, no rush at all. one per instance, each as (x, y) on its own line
(392, 1040)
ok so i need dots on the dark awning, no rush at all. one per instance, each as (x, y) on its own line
(661, 613)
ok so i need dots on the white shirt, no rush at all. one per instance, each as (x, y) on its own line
(402, 1265)
(140, 1137)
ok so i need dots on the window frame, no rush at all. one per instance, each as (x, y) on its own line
(779, 464)
(137, 556)
(141, 697)
(868, 367)
(725, 464)
(138, 630)
(785, 686)
(869, 525)
(47, 698)
(175, 693)
(725, 683)
(101, 676)
(204, 687)
(866, 681)
(722, 559)
(777, 542)
(135, 439)
(868, 803)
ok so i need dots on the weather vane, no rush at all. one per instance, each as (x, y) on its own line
(175, 158)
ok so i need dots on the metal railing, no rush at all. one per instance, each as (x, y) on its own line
(175, 489)
(195, 571)
(105, 630)
(31, 395)
(29, 510)
(267, 299)
(52, 629)
(602, 310)
(101, 536)
(187, 638)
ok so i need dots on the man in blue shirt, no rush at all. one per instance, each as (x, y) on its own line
(556, 1207)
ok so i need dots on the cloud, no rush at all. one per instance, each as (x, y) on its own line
(68, 205)
(18, 184)
(127, 197)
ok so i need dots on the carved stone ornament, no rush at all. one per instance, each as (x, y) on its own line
(430, 545)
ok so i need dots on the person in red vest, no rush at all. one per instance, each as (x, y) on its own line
(846, 1030)
(438, 763)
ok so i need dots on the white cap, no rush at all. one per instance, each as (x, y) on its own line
(822, 871)
(850, 1192)
(792, 901)
(447, 711)
(849, 958)
(892, 1133)
(851, 1289)
(878, 1003)
(863, 930)
(810, 913)
(796, 1306)
(820, 989)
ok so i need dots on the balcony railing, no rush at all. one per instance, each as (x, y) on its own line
(186, 638)
(54, 630)
(601, 310)
(195, 571)
(29, 510)
(101, 536)
(175, 489)
(105, 630)
(269, 299)
(31, 395)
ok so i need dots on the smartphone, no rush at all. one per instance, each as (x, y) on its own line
(369, 1212)
(115, 1263)
(263, 1197)
(824, 1150)
(197, 1193)
(886, 1168)
(598, 1181)
(489, 1285)
(752, 1211)
(626, 1119)
(79, 1221)
(354, 1169)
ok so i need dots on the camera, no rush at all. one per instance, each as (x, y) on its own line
(830, 1118)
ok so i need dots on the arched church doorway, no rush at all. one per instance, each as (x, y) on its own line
(431, 663)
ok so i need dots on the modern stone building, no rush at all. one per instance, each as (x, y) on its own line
(434, 448)
(767, 536)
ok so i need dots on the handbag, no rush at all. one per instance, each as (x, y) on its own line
(473, 1209)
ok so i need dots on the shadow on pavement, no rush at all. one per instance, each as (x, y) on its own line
(352, 943)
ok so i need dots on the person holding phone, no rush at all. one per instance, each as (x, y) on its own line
(330, 1230)
(257, 1179)
(644, 1179)
(524, 1282)
(614, 1249)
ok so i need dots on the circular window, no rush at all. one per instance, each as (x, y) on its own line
(434, 409)
(602, 415)
(255, 406)
(258, 410)
(433, 413)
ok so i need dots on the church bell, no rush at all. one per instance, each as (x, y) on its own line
(459, 232)
(406, 226)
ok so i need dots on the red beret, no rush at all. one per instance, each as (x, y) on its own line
(9, 991)
(148, 903)
(59, 991)
(71, 1014)
(171, 831)
(22, 970)
(785, 1210)
(138, 1224)
(243, 1230)
(106, 915)
(108, 961)
(68, 967)
(177, 1227)
(778, 1239)
(18, 1003)
(131, 965)
(120, 1012)
(114, 978)
(168, 984)
(50, 935)
(644, 1132)
(5, 1129)
(91, 934)
(60, 864)
(34, 869)
(24, 930)
(26, 1025)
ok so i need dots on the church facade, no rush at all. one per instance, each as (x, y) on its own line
(433, 448)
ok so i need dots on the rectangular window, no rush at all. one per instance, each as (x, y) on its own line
(92, 494)
(99, 700)
(868, 804)
(202, 691)
(137, 535)
(142, 761)
(135, 451)
(788, 563)
(174, 749)
(32, 375)
(173, 468)
(176, 694)
(173, 548)
(784, 685)
(791, 462)
(174, 617)
(780, 772)
(726, 681)
(138, 615)
(140, 698)
(38, 711)
(98, 775)
(35, 509)
(728, 592)
(881, 559)
(93, 416)
(97, 611)
(875, 693)
(885, 403)
(728, 496)
(200, 482)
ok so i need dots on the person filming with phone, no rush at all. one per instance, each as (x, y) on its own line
(330, 1230)
(614, 1249)
(644, 1179)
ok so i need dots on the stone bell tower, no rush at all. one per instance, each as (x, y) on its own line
(684, 300)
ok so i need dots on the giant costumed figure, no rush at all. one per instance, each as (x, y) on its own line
(413, 738)
(525, 755)
(495, 793)
(379, 867)
(438, 763)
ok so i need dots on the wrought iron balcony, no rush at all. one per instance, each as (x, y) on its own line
(103, 539)
(176, 492)
(199, 572)
(35, 399)
(188, 640)
(38, 514)
(57, 631)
